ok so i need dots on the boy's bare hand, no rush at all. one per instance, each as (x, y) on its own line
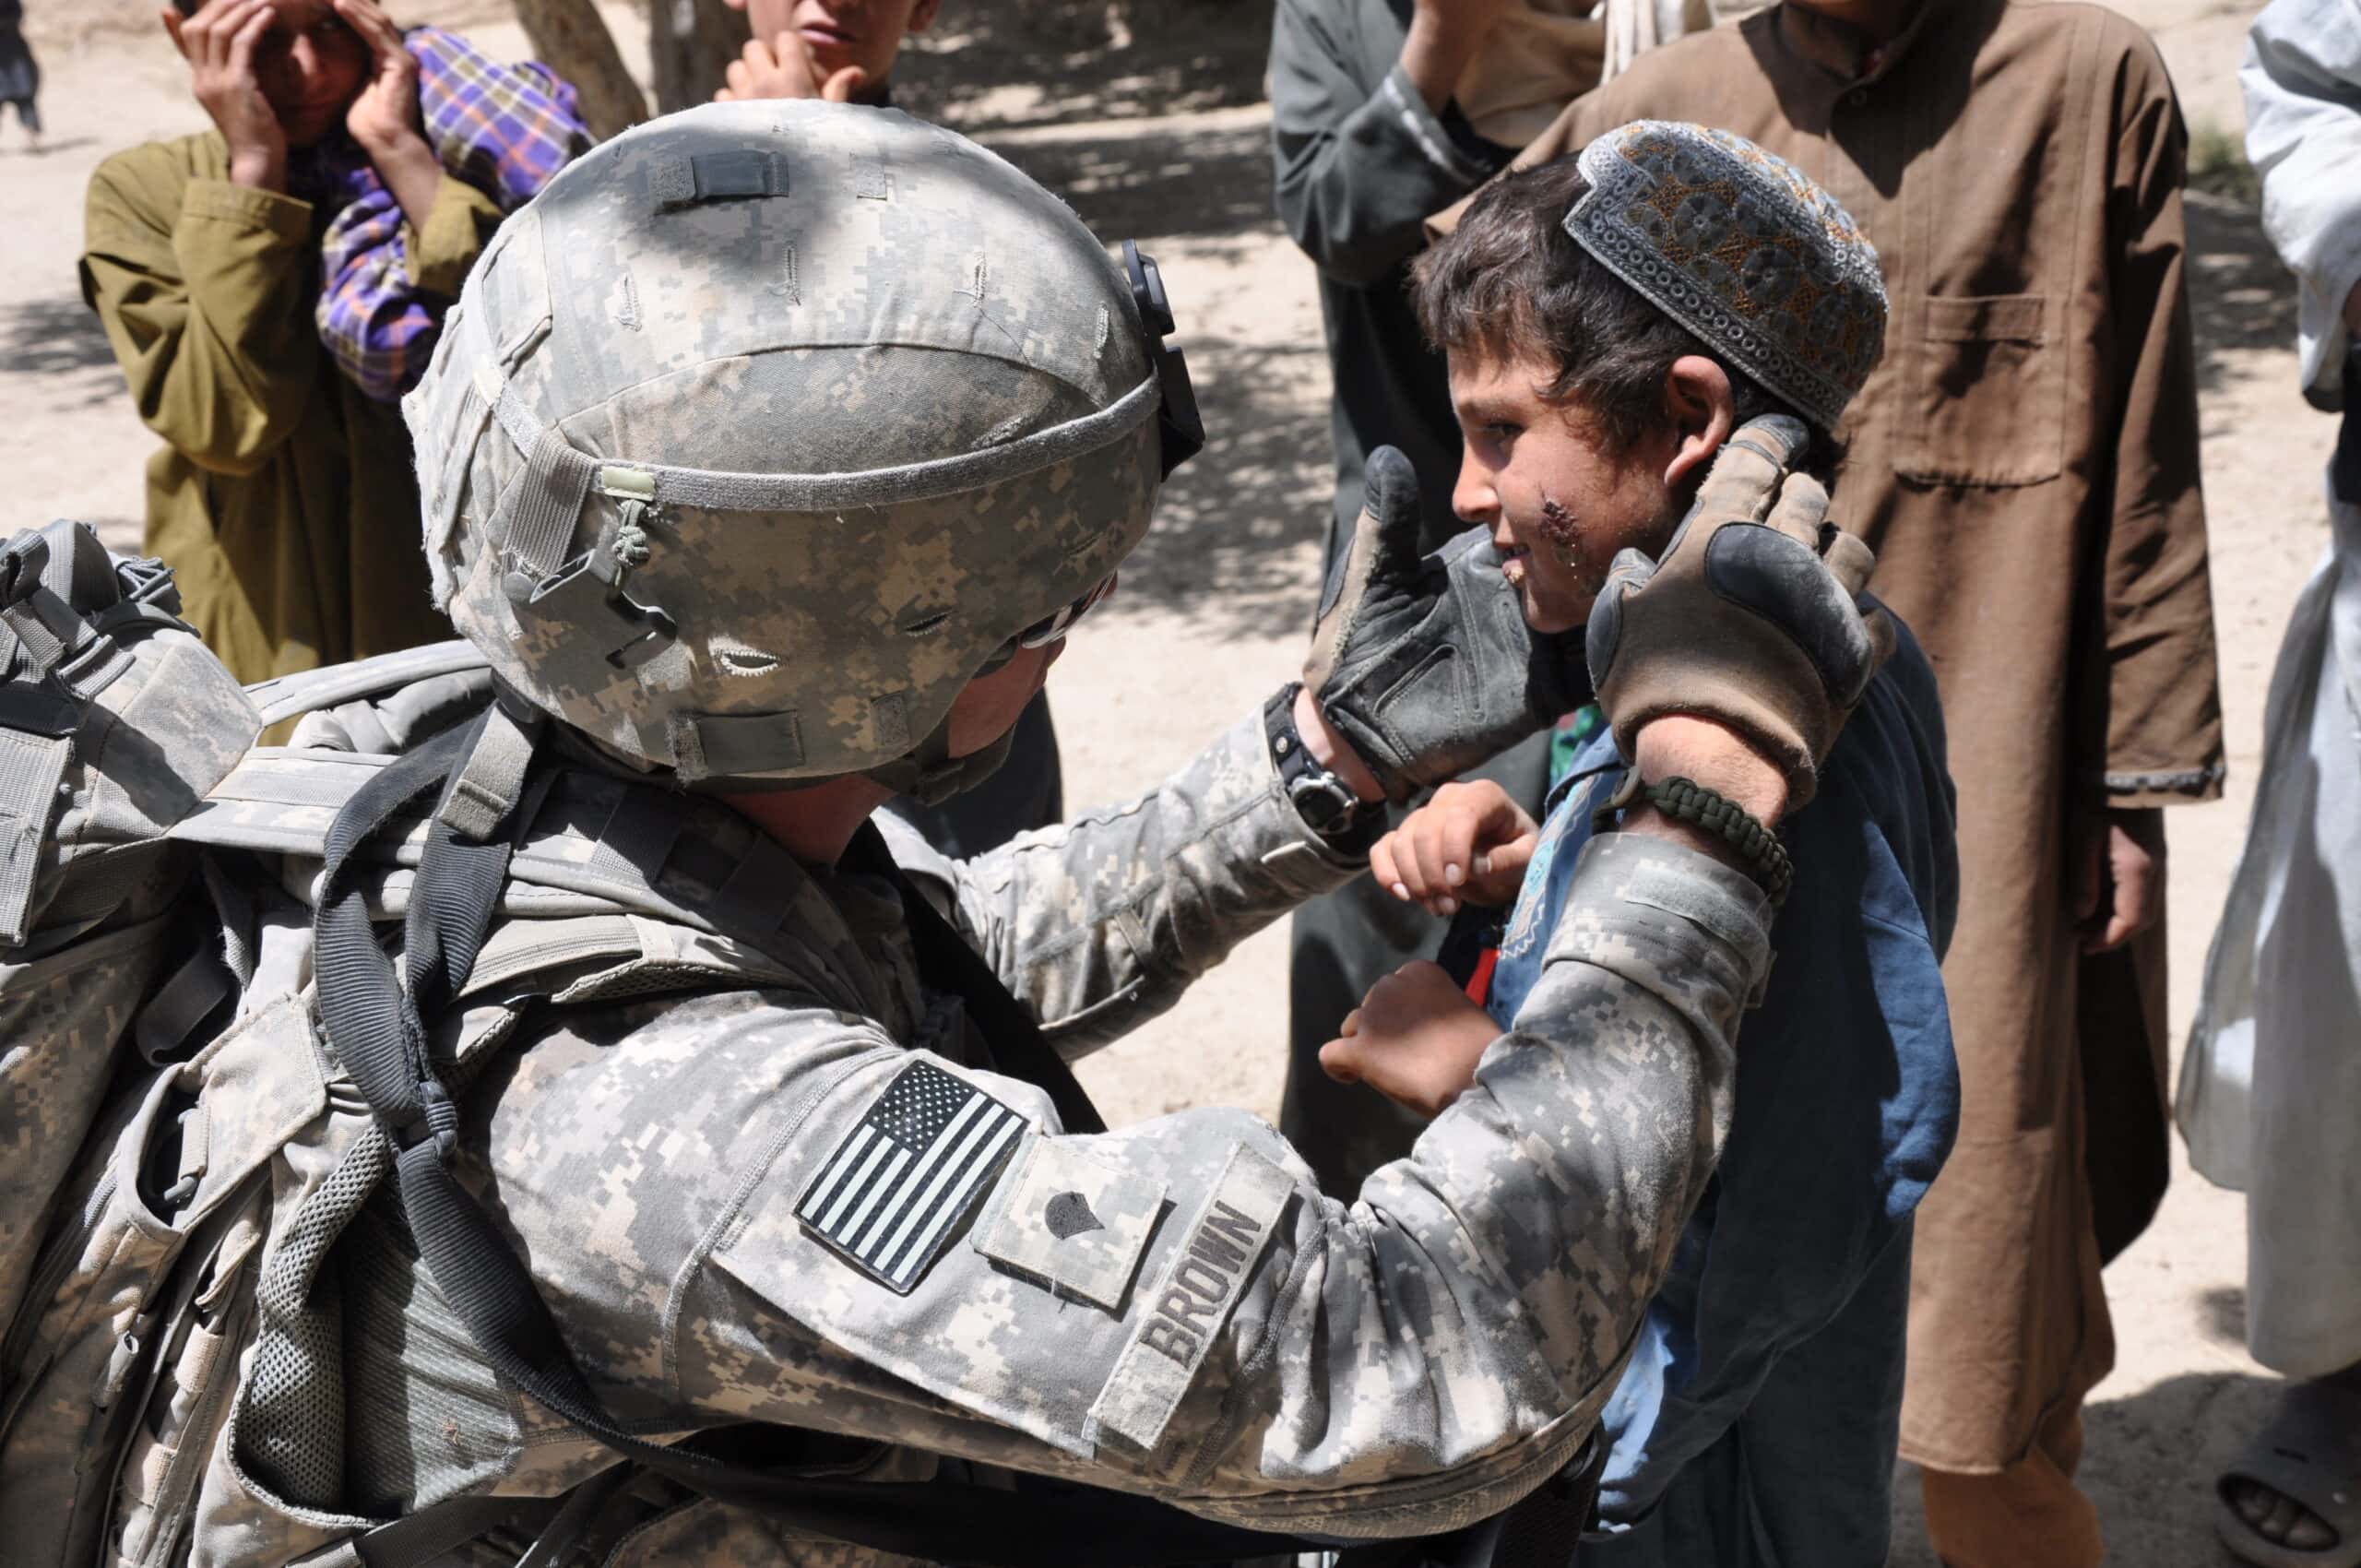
(784, 68)
(1468, 845)
(385, 115)
(1415, 1038)
(219, 43)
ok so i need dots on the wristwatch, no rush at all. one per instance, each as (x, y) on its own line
(1327, 804)
(1766, 858)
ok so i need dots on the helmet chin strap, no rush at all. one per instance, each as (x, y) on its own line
(928, 774)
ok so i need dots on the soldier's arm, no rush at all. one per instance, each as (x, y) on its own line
(1101, 922)
(1176, 1309)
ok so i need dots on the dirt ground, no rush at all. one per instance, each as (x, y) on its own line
(1160, 135)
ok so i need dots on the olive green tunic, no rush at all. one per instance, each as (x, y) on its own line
(282, 497)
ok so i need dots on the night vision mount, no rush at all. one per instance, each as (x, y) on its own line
(1178, 423)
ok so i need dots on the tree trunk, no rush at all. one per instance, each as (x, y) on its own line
(691, 43)
(572, 39)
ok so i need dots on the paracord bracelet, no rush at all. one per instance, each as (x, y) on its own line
(1691, 801)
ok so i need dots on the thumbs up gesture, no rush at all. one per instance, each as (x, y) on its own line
(1423, 664)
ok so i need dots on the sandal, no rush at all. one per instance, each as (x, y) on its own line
(2310, 1453)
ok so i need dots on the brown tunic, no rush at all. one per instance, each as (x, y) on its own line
(2025, 461)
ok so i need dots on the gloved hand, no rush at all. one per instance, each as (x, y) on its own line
(1754, 617)
(1424, 665)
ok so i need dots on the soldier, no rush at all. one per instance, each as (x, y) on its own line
(705, 1183)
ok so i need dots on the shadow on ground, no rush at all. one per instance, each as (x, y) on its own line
(49, 335)
(2150, 1460)
(1015, 63)
(1236, 531)
(2240, 297)
(1209, 182)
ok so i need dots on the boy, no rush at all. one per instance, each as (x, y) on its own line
(272, 286)
(1755, 1421)
(838, 50)
(2026, 466)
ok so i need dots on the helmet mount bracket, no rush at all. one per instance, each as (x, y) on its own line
(1178, 426)
(597, 578)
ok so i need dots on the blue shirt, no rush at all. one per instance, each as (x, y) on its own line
(1757, 1421)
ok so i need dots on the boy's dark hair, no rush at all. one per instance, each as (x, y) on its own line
(1511, 282)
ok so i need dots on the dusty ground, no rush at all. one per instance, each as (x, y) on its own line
(1159, 137)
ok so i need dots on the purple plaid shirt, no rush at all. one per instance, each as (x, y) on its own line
(504, 129)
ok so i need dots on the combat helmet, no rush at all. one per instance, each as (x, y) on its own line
(766, 426)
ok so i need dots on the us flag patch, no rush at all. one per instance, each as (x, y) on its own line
(887, 1196)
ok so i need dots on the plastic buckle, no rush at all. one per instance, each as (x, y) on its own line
(22, 561)
(148, 581)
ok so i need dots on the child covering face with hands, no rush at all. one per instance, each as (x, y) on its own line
(836, 50)
(272, 286)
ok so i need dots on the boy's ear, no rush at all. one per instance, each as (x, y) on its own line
(1703, 412)
(922, 16)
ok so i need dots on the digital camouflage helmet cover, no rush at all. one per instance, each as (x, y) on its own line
(766, 426)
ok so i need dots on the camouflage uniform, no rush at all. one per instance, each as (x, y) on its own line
(681, 1056)
(1223, 1335)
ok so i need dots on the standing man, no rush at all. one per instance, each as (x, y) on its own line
(2024, 462)
(19, 73)
(2274, 1065)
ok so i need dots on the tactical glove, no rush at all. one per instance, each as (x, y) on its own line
(1424, 665)
(1754, 617)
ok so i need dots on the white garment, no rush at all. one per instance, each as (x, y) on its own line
(2270, 1086)
(2302, 78)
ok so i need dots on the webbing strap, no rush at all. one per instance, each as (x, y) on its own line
(285, 697)
(376, 1028)
(32, 767)
(172, 1013)
(485, 791)
(1017, 1046)
(416, 1540)
(545, 501)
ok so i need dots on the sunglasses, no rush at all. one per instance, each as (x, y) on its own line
(1050, 628)
(1055, 624)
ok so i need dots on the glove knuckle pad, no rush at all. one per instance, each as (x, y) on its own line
(1762, 570)
(1605, 632)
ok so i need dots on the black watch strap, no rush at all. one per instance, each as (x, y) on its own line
(1327, 804)
(1766, 858)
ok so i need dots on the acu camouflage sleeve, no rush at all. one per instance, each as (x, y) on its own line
(1100, 923)
(1175, 1309)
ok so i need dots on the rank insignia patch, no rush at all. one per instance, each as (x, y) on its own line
(888, 1198)
(1074, 1221)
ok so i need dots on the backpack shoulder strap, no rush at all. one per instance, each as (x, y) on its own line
(309, 691)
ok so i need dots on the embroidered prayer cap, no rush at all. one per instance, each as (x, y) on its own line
(1736, 245)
